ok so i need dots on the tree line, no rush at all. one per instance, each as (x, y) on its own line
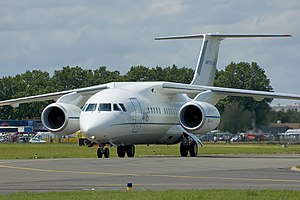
(40, 82)
(238, 113)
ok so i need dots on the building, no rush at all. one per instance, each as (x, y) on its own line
(12, 126)
(279, 107)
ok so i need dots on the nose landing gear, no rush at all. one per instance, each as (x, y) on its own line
(187, 146)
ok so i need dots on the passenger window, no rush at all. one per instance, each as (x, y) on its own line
(91, 107)
(123, 107)
(116, 107)
(104, 107)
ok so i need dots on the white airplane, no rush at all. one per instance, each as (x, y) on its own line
(123, 114)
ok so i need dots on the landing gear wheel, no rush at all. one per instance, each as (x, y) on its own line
(99, 152)
(184, 150)
(130, 150)
(121, 151)
(106, 153)
(193, 149)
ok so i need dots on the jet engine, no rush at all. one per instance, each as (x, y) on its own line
(61, 118)
(199, 117)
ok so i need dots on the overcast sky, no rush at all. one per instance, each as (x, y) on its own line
(50, 34)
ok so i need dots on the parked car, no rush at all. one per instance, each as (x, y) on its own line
(22, 140)
(3, 139)
(265, 137)
(36, 140)
(236, 138)
(207, 138)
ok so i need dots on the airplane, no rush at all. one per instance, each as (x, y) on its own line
(125, 114)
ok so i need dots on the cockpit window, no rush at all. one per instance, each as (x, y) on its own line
(91, 107)
(104, 107)
(123, 107)
(116, 107)
(83, 107)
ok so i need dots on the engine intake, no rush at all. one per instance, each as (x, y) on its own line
(61, 118)
(199, 117)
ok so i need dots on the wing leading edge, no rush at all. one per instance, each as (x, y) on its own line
(193, 90)
(87, 91)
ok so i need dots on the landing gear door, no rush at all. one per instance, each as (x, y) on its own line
(136, 115)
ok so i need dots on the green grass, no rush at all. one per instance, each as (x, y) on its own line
(28, 151)
(252, 148)
(171, 194)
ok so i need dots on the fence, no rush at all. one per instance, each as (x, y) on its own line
(291, 136)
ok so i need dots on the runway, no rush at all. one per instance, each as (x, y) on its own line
(155, 173)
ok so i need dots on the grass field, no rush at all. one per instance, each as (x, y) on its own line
(171, 194)
(28, 151)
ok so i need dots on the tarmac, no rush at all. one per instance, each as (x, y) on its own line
(151, 173)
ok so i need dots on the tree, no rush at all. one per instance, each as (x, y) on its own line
(289, 116)
(172, 74)
(179, 75)
(102, 75)
(27, 84)
(71, 78)
(235, 118)
(139, 73)
(245, 76)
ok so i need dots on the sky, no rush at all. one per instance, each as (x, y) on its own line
(118, 34)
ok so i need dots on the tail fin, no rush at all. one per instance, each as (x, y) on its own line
(207, 61)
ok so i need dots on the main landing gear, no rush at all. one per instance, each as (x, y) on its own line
(127, 149)
(103, 152)
(122, 150)
(187, 146)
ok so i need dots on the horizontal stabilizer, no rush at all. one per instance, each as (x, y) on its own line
(221, 36)
(207, 60)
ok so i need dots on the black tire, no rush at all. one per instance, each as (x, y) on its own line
(130, 150)
(121, 151)
(106, 153)
(99, 153)
(184, 150)
(193, 149)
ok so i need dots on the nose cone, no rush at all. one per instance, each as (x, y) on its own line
(89, 126)
(94, 125)
(88, 129)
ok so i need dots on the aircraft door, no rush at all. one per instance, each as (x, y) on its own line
(137, 115)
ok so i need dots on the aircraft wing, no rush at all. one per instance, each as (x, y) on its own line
(196, 89)
(87, 91)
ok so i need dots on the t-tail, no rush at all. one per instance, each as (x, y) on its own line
(207, 61)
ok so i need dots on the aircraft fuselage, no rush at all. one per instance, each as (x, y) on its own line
(130, 113)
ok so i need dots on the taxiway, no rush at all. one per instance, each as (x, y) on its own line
(155, 173)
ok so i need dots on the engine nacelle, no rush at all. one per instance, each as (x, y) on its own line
(199, 117)
(61, 118)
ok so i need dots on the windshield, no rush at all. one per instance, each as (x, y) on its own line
(91, 107)
(104, 107)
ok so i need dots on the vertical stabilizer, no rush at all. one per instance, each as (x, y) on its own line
(207, 61)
